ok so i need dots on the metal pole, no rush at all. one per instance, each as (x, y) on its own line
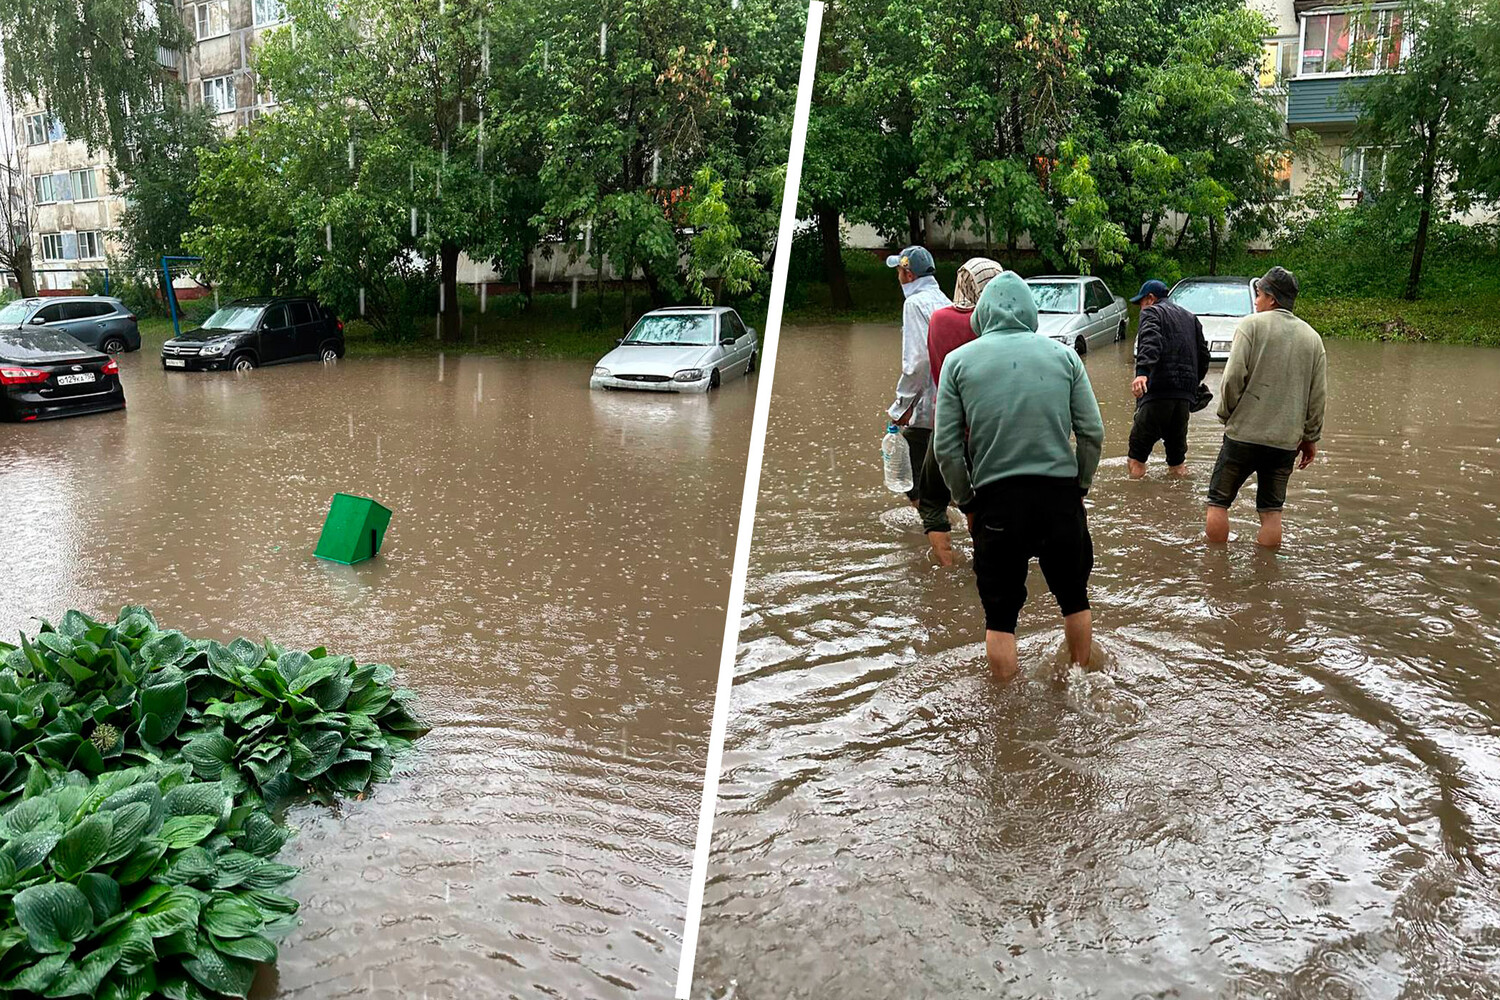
(171, 298)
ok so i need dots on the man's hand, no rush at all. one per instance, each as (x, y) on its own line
(1138, 386)
(1308, 450)
(905, 418)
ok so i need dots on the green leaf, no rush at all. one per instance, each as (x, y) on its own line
(30, 849)
(162, 708)
(176, 911)
(251, 948)
(219, 973)
(332, 692)
(205, 798)
(40, 976)
(82, 980)
(141, 862)
(235, 711)
(209, 753)
(261, 836)
(291, 664)
(27, 816)
(271, 902)
(103, 894)
(82, 847)
(164, 649)
(192, 865)
(251, 654)
(186, 831)
(270, 875)
(233, 867)
(232, 917)
(8, 871)
(55, 915)
(319, 750)
(128, 825)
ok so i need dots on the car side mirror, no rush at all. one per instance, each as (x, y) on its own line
(727, 340)
(620, 341)
(752, 330)
(1090, 310)
(38, 321)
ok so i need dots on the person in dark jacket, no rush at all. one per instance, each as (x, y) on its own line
(1171, 359)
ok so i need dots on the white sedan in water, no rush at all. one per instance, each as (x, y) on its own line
(1219, 303)
(680, 349)
(1078, 310)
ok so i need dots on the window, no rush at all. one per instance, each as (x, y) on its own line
(1364, 170)
(49, 313)
(301, 312)
(1099, 297)
(36, 129)
(1269, 74)
(211, 19)
(44, 186)
(1345, 43)
(275, 319)
(218, 94)
(733, 327)
(90, 247)
(85, 184)
(84, 310)
(268, 12)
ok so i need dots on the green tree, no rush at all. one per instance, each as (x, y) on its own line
(1434, 120)
(159, 173)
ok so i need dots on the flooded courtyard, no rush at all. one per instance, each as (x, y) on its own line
(552, 585)
(1284, 784)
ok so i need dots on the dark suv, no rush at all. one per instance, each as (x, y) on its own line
(248, 333)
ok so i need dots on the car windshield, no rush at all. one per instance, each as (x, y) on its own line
(14, 314)
(1210, 298)
(234, 318)
(1055, 296)
(688, 330)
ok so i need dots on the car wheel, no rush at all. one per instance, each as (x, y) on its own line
(113, 346)
(329, 352)
(750, 368)
(242, 362)
(1120, 333)
(713, 379)
(1081, 345)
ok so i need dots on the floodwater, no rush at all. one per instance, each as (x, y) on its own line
(553, 585)
(1284, 784)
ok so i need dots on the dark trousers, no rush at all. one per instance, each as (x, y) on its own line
(928, 488)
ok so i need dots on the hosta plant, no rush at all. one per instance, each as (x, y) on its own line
(139, 883)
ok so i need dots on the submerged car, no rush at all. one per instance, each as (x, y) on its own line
(46, 373)
(1078, 311)
(248, 333)
(680, 349)
(1219, 303)
(96, 321)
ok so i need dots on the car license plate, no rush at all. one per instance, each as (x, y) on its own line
(75, 379)
(174, 362)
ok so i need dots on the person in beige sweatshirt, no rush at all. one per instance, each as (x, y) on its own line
(1271, 402)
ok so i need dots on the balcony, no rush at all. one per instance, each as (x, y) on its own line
(1316, 100)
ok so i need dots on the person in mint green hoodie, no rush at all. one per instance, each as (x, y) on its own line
(1010, 407)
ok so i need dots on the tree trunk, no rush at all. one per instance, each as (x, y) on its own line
(629, 296)
(1213, 244)
(25, 276)
(913, 227)
(1419, 249)
(525, 279)
(833, 256)
(1187, 223)
(448, 259)
(1150, 235)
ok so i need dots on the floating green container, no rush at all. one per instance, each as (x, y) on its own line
(353, 530)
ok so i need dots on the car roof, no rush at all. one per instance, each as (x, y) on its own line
(41, 300)
(1060, 277)
(1216, 279)
(689, 310)
(269, 300)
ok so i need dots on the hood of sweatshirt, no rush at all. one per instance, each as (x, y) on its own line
(921, 284)
(1005, 306)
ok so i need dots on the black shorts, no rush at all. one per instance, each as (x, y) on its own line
(1164, 420)
(1027, 517)
(1272, 468)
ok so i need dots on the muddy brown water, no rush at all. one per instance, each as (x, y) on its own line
(1286, 783)
(553, 585)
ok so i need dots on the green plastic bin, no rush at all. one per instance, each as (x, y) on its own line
(353, 530)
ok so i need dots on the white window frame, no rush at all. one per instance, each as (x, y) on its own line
(95, 243)
(261, 15)
(223, 87)
(39, 182)
(81, 178)
(204, 22)
(37, 122)
(1356, 28)
(51, 241)
(1353, 180)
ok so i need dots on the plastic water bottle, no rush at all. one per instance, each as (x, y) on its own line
(896, 456)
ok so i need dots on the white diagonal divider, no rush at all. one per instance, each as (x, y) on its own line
(747, 502)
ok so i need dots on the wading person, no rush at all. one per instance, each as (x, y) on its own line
(1171, 360)
(949, 328)
(1010, 406)
(915, 395)
(1271, 402)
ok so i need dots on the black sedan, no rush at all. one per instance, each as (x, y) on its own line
(46, 374)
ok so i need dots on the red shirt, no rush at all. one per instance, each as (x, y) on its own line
(948, 328)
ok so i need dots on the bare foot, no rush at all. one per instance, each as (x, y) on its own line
(942, 546)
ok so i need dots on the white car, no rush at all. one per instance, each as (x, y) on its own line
(680, 349)
(1078, 311)
(1219, 303)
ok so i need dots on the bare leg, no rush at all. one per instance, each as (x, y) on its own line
(942, 546)
(1180, 471)
(1218, 525)
(1000, 650)
(1137, 469)
(1270, 529)
(1079, 630)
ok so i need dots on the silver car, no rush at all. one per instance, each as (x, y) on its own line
(680, 349)
(1219, 303)
(98, 321)
(1078, 311)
